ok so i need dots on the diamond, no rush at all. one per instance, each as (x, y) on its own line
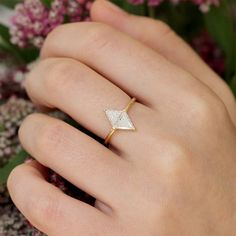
(119, 119)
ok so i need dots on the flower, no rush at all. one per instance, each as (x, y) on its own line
(32, 20)
(209, 52)
(11, 115)
(11, 81)
(204, 5)
(12, 222)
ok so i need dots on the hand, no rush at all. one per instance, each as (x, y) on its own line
(175, 175)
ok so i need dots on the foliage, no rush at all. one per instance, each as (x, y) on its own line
(14, 161)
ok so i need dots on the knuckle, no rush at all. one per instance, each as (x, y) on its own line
(52, 38)
(159, 26)
(200, 108)
(58, 76)
(58, 31)
(49, 136)
(204, 110)
(165, 32)
(175, 158)
(22, 132)
(177, 149)
(13, 179)
(99, 36)
(163, 28)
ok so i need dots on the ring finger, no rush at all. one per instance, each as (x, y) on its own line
(84, 95)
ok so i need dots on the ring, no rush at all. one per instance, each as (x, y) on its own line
(119, 120)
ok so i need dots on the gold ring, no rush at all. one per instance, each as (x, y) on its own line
(119, 120)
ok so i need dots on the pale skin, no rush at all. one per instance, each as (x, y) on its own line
(173, 176)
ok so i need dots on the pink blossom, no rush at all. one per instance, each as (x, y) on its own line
(209, 52)
(11, 115)
(32, 20)
(11, 81)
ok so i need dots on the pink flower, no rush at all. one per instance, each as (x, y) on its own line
(11, 115)
(11, 81)
(210, 52)
(33, 21)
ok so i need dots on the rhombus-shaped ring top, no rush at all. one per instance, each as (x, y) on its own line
(119, 120)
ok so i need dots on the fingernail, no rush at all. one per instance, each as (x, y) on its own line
(114, 7)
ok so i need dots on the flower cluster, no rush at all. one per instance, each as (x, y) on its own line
(204, 5)
(4, 75)
(11, 81)
(209, 52)
(33, 20)
(13, 223)
(11, 115)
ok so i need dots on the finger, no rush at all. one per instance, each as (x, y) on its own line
(75, 156)
(50, 210)
(160, 37)
(84, 94)
(135, 68)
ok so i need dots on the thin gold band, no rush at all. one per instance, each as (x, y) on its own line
(113, 130)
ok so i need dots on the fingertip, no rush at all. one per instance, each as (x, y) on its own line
(30, 165)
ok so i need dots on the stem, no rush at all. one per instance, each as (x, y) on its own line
(152, 12)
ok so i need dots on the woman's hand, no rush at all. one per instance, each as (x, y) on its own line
(175, 175)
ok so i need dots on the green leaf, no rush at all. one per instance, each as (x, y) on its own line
(185, 19)
(9, 3)
(4, 32)
(133, 9)
(2, 127)
(47, 2)
(25, 55)
(15, 161)
(152, 12)
(220, 24)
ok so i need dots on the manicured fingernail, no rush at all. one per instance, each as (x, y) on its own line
(114, 7)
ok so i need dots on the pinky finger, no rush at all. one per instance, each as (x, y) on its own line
(50, 210)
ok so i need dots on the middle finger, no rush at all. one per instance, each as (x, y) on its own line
(135, 68)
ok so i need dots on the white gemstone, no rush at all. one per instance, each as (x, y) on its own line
(119, 119)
